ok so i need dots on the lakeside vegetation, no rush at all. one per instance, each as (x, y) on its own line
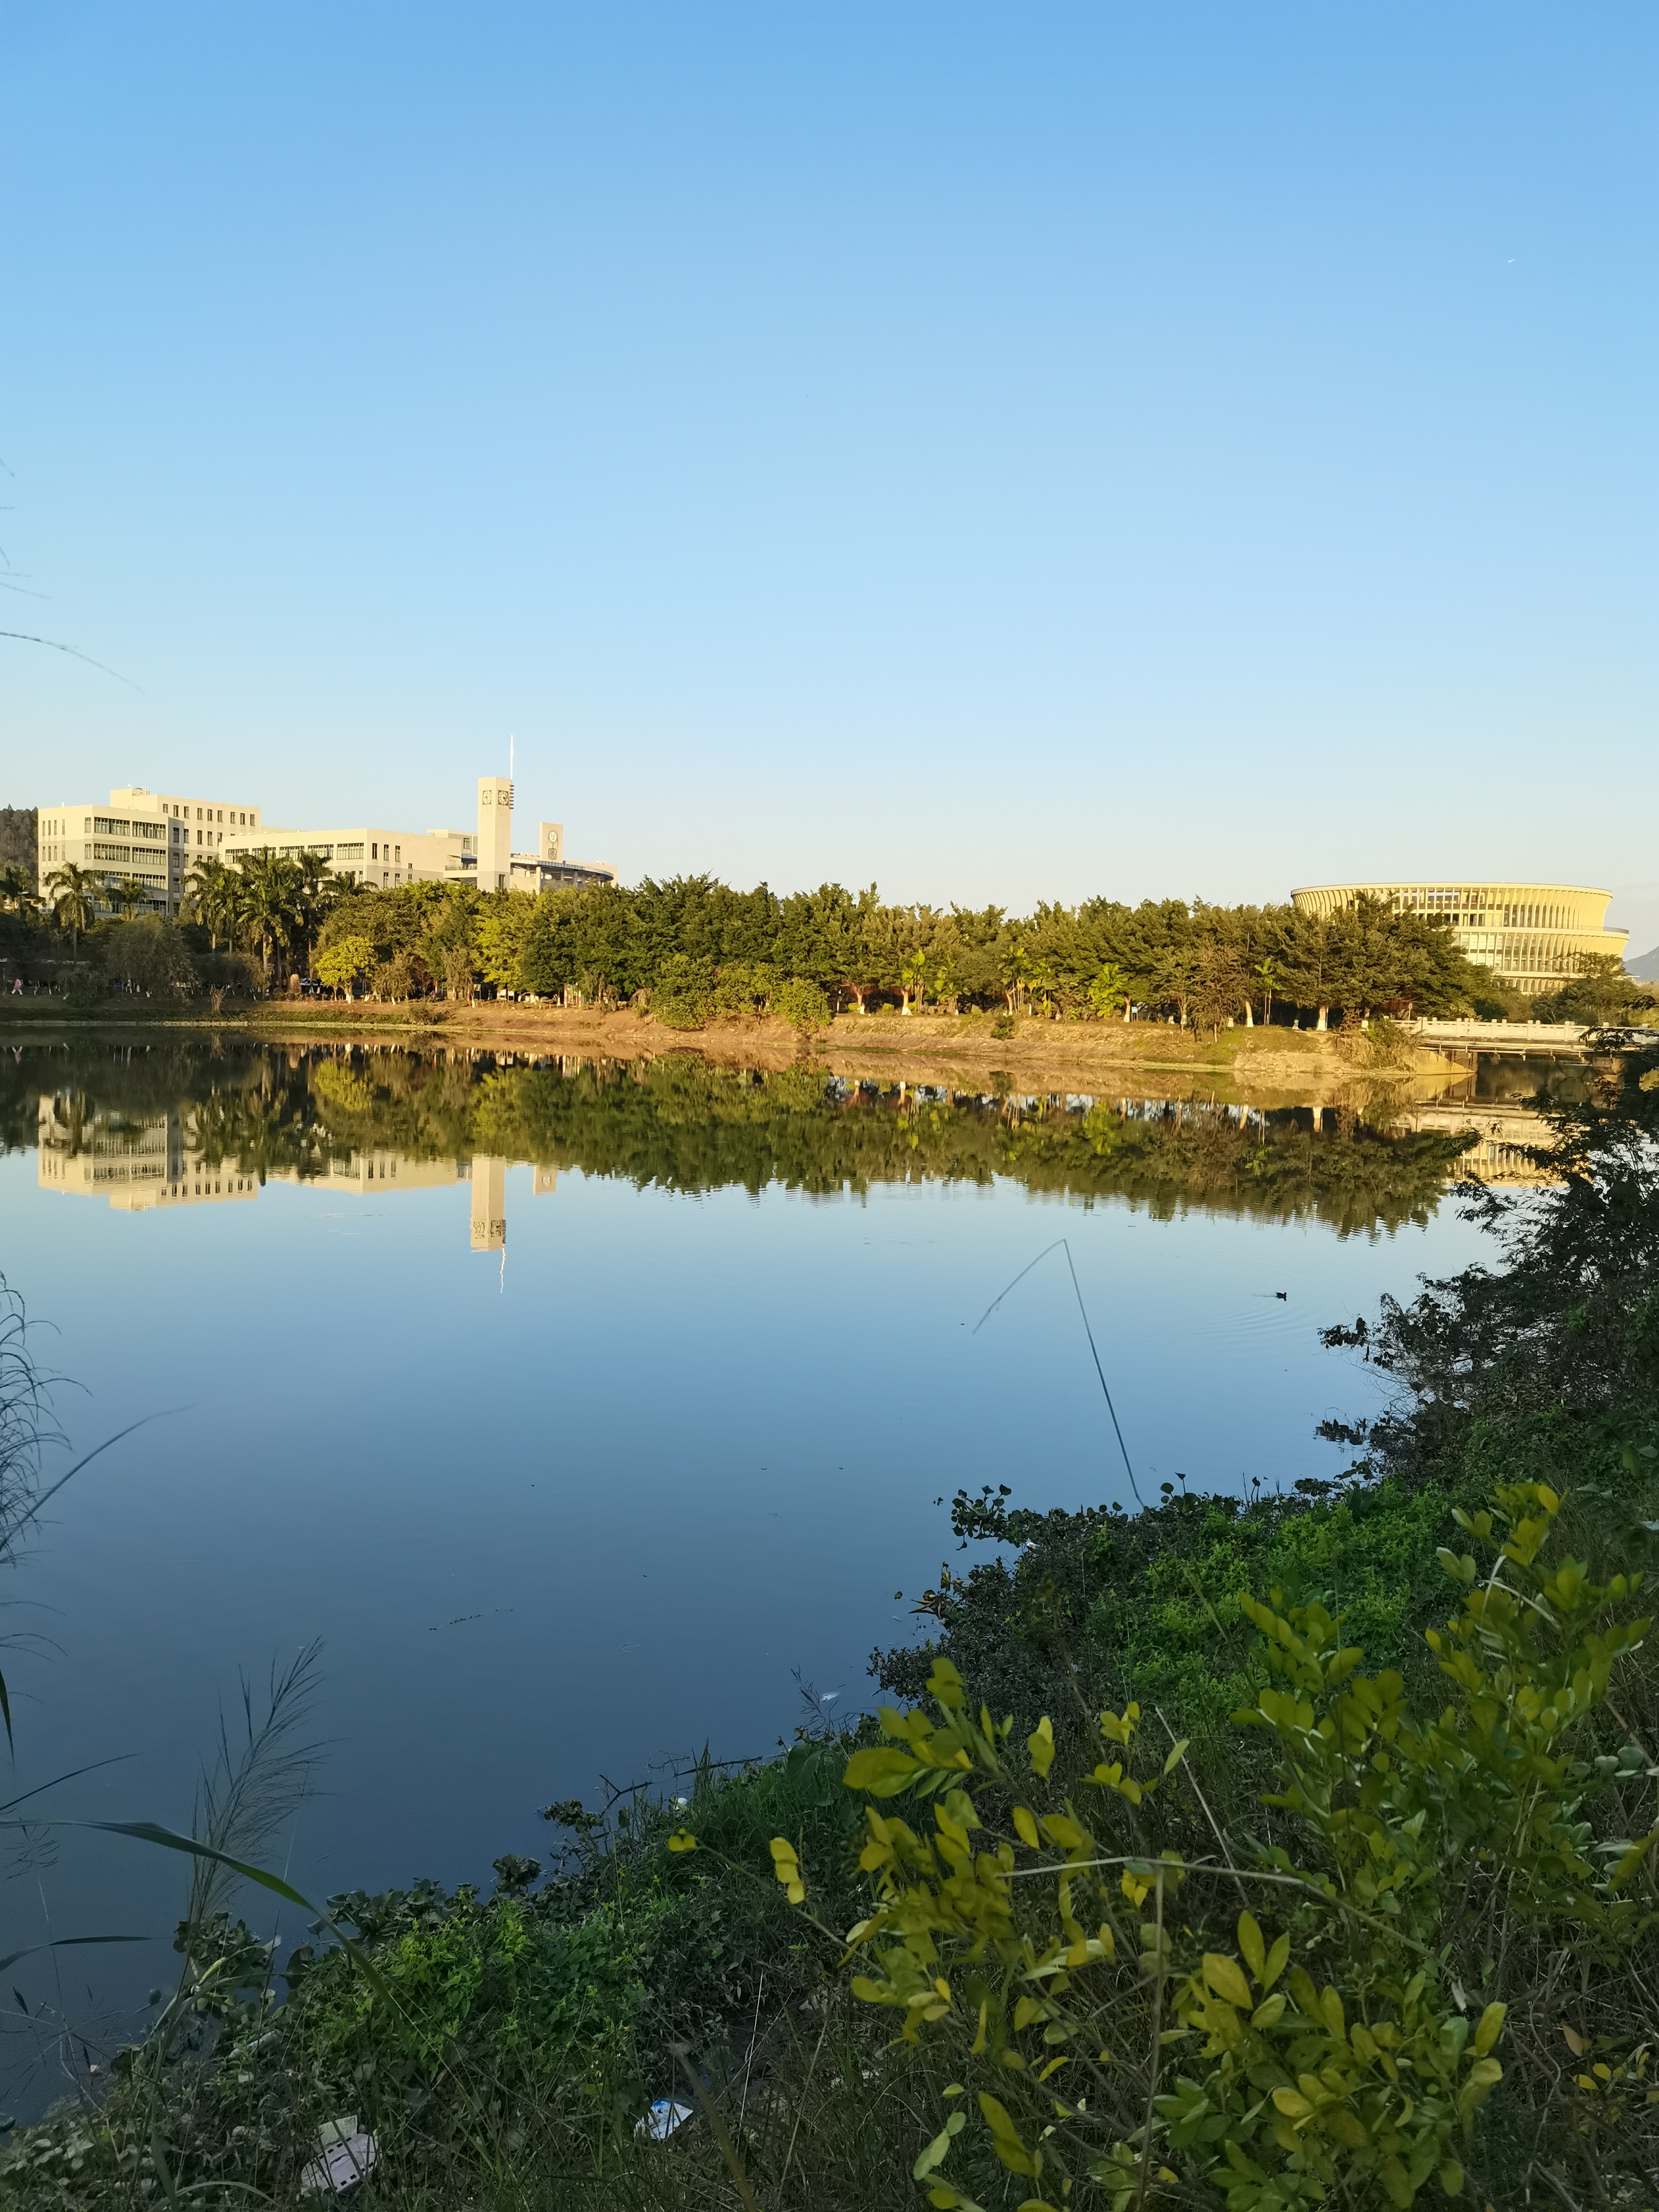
(692, 950)
(1243, 1892)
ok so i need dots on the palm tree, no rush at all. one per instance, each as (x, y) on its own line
(73, 892)
(128, 894)
(214, 893)
(273, 888)
(317, 895)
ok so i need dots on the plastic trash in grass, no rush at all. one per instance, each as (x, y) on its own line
(349, 2155)
(664, 2116)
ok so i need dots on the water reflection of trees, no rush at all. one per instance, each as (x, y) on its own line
(677, 1124)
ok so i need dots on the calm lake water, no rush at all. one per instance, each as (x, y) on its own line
(578, 1409)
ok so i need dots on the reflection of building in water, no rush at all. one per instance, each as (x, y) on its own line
(1501, 1150)
(489, 1228)
(489, 1203)
(139, 1162)
(134, 1161)
(385, 1171)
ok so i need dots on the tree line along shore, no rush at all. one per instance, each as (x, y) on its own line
(690, 951)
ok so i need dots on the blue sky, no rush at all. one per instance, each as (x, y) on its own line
(1001, 451)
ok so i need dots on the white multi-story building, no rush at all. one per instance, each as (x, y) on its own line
(160, 837)
(156, 836)
(375, 855)
(384, 859)
(1536, 936)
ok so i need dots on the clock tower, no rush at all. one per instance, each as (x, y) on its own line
(494, 833)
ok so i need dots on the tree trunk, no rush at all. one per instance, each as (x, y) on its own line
(1250, 1017)
(1322, 1024)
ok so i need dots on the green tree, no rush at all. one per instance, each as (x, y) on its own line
(403, 977)
(128, 893)
(16, 885)
(821, 934)
(148, 955)
(1601, 995)
(72, 893)
(341, 964)
(502, 937)
(1221, 984)
(979, 954)
(273, 911)
(215, 895)
(1109, 991)
(803, 1005)
(1309, 968)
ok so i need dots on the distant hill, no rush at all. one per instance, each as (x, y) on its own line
(1646, 970)
(17, 837)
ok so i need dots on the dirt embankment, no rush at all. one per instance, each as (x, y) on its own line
(959, 1051)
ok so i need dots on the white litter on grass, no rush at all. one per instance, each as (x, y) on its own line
(349, 2153)
(664, 2116)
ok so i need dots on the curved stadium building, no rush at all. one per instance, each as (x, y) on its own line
(1536, 937)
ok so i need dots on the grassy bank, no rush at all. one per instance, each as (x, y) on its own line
(1235, 1911)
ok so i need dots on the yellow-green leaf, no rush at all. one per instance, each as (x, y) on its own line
(1226, 1978)
(1025, 1827)
(1174, 1760)
(935, 2153)
(681, 1840)
(1250, 1943)
(1005, 2136)
(1293, 2103)
(882, 1769)
(944, 1687)
(1041, 1745)
(1277, 1959)
(1491, 2027)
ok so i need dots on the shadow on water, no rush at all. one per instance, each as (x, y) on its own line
(160, 1124)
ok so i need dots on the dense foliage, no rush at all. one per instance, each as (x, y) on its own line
(698, 948)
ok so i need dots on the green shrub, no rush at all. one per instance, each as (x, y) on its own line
(802, 1004)
(1420, 1869)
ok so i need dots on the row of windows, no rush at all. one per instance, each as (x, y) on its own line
(241, 819)
(1472, 910)
(1536, 917)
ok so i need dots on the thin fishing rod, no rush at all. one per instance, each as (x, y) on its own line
(1063, 1244)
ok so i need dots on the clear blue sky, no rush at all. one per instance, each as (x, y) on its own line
(1005, 451)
